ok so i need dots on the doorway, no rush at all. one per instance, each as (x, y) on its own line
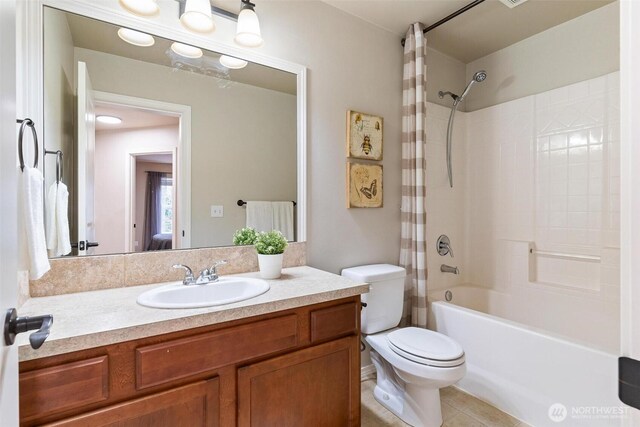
(152, 193)
(142, 139)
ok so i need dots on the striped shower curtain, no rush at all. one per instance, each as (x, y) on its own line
(413, 245)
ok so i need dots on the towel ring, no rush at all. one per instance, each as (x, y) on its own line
(59, 164)
(24, 123)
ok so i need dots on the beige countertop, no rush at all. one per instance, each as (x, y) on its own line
(91, 319)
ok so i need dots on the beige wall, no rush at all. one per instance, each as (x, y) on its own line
(111, 168)
(243, 138)
(352, 65)
(578, 50)
(444, 73)
(141, 190)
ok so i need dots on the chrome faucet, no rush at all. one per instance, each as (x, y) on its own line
(208, 275)
(189, 278)
(448, 269)
(211, 274)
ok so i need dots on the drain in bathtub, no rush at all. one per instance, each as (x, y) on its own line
(448, 296)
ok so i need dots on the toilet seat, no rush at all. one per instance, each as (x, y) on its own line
(426, 347)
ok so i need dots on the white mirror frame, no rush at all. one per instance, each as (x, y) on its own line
(30, 85)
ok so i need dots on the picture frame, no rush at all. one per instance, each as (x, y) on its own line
(364, 135)
(364, 185)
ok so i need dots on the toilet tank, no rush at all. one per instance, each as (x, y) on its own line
(385, 298)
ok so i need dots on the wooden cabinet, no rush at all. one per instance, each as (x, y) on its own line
(314, 385)
(189, 406)
(291, 368)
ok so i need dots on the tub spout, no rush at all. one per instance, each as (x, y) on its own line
(448, 269)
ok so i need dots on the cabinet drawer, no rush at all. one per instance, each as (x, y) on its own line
(72, 385)
(333, 322)
(172, 360)
(189, 406)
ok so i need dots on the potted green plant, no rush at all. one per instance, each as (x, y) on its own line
(245, 237)
(270, 246)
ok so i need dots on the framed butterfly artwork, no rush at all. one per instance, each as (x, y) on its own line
(364, 136)
(364, 185)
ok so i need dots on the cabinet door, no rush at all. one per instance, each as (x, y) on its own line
(317, 386)
(189, 406)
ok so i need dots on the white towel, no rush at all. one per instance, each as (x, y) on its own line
(62, 220)
(283, 218)
(32, 216)
(260, 216)
(51, 231)
(58, 241)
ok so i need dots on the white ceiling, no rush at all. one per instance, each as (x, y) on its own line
(486, 28)
(133, 118)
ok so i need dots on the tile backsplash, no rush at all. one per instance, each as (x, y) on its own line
(80, 274)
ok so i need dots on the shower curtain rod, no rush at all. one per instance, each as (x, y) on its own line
(450, 17)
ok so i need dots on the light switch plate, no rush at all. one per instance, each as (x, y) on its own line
(217, 211)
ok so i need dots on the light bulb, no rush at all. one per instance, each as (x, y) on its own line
(140, 7)
(248, 29)
(136, 38)
(110, 120)
(197, 16)
(186, 50)
(233, 63)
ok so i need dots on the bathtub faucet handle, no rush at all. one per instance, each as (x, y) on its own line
(444, 246)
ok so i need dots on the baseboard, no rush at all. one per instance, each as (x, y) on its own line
(367, 373)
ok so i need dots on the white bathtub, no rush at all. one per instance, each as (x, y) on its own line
(523, 370)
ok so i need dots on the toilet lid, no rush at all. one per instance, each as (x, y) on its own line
(426, 347)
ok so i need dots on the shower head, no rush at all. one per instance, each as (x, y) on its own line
(478, 77)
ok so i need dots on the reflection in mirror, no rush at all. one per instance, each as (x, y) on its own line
(160, 140)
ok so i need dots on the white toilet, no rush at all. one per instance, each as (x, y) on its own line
(412, 364)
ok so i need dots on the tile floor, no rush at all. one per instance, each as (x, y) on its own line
(458, 410)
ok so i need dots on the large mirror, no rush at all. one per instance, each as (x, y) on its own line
(161, 145)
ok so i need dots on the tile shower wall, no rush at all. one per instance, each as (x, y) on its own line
(445, 206)
(542, 205)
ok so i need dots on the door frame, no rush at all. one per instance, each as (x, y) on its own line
(9, 207)
(130, 196)
(630, 186)
(85, 214)
(182, 162)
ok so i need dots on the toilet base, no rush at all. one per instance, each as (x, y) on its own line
(416, 405)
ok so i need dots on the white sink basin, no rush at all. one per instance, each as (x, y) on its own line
(225, 291)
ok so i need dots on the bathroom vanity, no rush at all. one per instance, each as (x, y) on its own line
(288, 357)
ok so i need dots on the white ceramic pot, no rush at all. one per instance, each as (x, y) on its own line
(270, 266)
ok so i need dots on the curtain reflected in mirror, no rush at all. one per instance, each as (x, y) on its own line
(158, 217)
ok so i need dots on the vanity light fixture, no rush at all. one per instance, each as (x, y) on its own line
(109, 120)
(141, 7)
(136, 38)
(248, 29)
(186, 50)
(197, 16)
(233, 63)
